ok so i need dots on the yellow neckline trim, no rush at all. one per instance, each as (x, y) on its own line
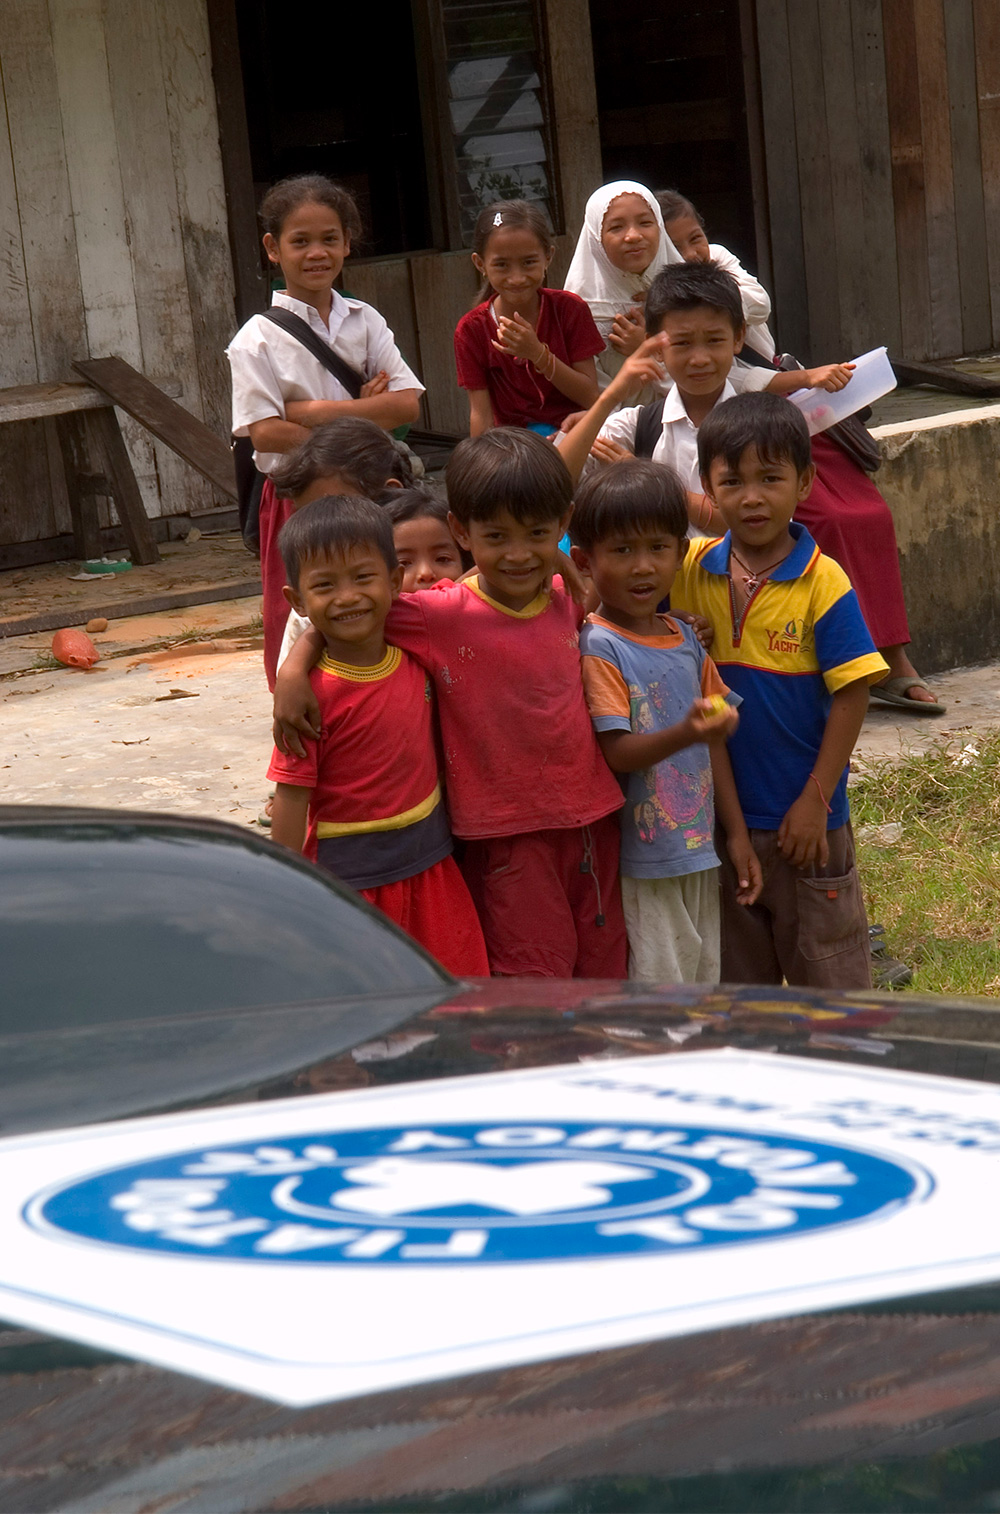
(390, 662)
(325, 829)
(537, 605)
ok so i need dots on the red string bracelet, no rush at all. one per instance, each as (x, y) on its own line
(816, 781)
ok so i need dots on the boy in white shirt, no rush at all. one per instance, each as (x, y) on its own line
(694, 316)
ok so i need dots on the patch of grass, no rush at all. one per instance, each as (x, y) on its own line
(45, 663)
(937, 889)
(189, 633)
(255, 625)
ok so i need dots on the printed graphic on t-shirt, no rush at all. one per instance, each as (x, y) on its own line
(676, 796)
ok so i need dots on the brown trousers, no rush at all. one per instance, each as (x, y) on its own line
(809, 925)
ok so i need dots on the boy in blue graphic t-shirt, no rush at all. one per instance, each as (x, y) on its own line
(660, 712)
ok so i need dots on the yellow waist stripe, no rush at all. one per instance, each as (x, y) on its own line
(327, 828)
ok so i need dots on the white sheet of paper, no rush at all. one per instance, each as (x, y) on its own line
(317, 1248)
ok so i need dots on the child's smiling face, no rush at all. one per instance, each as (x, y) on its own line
(688, 236)
(347, 596)
(515, 558)
(427, 552)
(757, 498)
(702, 347)
(630, 233)
(310, 250)
(514, 263)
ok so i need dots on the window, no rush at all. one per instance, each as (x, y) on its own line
(497, 105)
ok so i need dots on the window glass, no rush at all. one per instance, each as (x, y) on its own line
(497, 104)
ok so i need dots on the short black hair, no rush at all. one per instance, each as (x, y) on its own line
(685, 286)
(508, 468)
(422, 502)
(769, 422)
(627, 497)
(352, 446)
(330, 527)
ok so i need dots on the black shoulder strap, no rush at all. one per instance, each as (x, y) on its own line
(647, 428)
(321, 351)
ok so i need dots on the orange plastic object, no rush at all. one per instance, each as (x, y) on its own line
(75, 649)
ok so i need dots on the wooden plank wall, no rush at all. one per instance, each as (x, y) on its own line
(881, 123)
(113, 239)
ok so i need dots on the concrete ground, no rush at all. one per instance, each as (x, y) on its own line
(187, 728)
(182, 728)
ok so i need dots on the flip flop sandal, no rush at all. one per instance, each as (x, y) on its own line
(893, 692)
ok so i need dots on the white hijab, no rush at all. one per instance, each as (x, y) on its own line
(592, 275)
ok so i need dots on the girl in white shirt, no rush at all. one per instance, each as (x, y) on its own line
(622, 247)
(280, 390)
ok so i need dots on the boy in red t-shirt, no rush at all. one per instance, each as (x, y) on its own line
(528, 789)
(364, 799)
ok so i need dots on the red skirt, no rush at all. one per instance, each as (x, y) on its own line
(274, 610)
(436, 909)
(850, 521)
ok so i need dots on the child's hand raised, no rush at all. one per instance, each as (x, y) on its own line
(518, 337)
(628, 331)
(711, 720)
(645, 366)
(831, 377)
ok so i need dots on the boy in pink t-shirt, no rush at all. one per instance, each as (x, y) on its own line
(528, 789)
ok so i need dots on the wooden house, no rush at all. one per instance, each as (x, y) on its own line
(848, 150)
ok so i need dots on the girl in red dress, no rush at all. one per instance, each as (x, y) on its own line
(525, 353)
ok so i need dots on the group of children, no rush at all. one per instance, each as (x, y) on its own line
(631, 758)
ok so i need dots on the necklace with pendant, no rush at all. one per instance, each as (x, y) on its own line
(752, 580)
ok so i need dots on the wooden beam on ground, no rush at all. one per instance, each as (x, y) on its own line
(169, 422)
(78, 466)
(109, 444)
(125, 609)
(952, 380)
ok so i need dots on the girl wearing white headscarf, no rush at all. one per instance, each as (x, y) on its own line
(621, 249)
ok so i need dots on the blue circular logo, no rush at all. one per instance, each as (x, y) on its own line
(479, 1192)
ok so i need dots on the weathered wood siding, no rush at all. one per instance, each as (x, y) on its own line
(881, 124)
(113, 238)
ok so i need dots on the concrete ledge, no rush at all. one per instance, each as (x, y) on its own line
(941, 477)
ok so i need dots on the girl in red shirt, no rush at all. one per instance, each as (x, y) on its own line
(525, 353)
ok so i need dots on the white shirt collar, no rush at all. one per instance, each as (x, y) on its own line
(338, 310)
(673, 404)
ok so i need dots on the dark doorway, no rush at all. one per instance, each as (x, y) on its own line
(672, 108)
(342, 99)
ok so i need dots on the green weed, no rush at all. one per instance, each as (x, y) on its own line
(937, 889)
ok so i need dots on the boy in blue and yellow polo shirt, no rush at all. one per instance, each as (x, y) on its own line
(791, 640)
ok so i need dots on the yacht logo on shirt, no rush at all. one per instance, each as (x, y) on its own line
(791, 638)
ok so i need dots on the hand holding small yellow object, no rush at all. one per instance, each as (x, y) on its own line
(716, 706)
